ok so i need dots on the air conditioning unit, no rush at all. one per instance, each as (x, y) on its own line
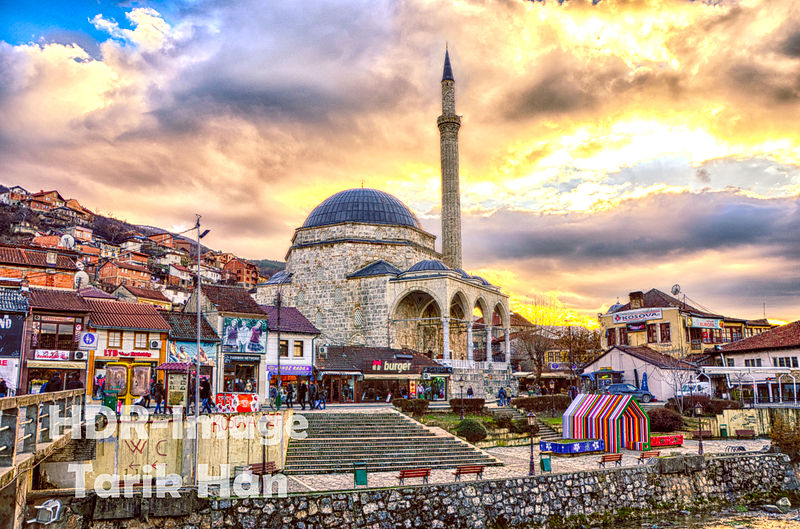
(322, 350)
(155, 344)
(80, 355)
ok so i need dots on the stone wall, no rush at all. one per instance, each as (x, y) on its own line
(558, 500)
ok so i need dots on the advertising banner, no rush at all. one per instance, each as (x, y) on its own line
(50, 354)
(631, 316)
(9, 371)
(11, 334)
(244, 335)
(704, 323)
(290, 369)
(236, 402)
(187, 352)
(177, 386)
(636, 327)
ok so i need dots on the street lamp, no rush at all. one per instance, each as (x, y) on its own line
(699, 411)
(461, 388)
(531, 424)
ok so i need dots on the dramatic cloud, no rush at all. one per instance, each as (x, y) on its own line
(605, 148)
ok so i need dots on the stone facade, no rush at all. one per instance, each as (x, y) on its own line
(582, 499)
(449, 123)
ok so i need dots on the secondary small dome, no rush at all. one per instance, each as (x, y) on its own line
(368, 206)
(429, 265)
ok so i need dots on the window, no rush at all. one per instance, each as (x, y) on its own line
(611, 337)
(731, 362)
(114, 339)
(283, 348)
(140, 340)
(665, 333)
(794, 361)
(752, 362)
(651, 333)
(54, 336)
(623, 336)
(298, 349)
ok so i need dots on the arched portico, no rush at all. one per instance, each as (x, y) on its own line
(417, 322)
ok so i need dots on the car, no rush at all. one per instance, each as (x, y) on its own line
(694, 389)
(630, 389)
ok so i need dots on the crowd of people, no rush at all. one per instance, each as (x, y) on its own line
(311, 394)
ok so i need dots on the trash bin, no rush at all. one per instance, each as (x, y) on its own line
(110, 400)
(359, 474)
(545, 463)
(723, 430)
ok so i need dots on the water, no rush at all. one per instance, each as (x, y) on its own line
(732, 521)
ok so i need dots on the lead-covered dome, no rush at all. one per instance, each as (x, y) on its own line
(429, 265)
(369, 206)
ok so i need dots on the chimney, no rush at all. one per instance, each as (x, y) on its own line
(636, 299)
(51, 258)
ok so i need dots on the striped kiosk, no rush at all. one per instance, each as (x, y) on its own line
(616, 419)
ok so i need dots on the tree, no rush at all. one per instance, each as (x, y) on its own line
(533, 341)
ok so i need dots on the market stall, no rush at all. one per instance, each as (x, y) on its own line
(616, 419)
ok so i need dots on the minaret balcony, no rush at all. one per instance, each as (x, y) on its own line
(449, 119)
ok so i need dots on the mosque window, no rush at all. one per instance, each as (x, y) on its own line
(301, 297)
(320, 274)
(379, 234)
(338, 295)
(318, 319)
(358, 317)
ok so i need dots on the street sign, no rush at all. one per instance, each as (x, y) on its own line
(88, 341)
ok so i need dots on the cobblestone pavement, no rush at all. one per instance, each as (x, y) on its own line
(516, 462)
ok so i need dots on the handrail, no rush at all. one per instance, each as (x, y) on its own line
(19, 401)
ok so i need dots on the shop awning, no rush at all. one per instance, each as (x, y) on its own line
(345, 373)
(180, 366)
(55, 364)
(413, 376)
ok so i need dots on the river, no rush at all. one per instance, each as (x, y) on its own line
(751, 520)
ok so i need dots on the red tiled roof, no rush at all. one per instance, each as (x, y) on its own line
(123, 315)
(356, 358)
(231, 299)
(654, 298)
(292, 320)
(131, 266)
(54, 299)
(184, 325)
(146, 293)
(94, 292)
(651, 356)
(30, 257)
(778, 338)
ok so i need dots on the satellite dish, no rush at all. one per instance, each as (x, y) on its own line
(81, 279)
(676, 289)
(67, 241)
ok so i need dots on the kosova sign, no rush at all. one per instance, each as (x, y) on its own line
(630, 316)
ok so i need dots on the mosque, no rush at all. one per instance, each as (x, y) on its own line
(362, 269)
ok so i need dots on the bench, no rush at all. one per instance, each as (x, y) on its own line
(468, 469)
(423, 473)
(750, 434)
(648, 454)
(732, 449)
(610, 458)
(258, 469)
(705, 433)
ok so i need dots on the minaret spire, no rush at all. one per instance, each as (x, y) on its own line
(449, 123)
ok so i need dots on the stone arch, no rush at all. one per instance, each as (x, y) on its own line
(416, 322)
(460, 314)
(481, 305)
(501, 311)
(411, 290)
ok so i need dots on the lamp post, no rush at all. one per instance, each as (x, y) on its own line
(461, 388)
(699, 411)
(197, 353)
(531, 423)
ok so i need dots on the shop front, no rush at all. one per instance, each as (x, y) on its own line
(290, 374)
(340, 386)
(240, 383)
(12, 327)
(47, 363)
(104, 358)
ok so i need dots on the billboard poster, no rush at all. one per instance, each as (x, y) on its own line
(236, 402)
(9, 371)
(187, 352)
(11, 334)
(244, 335)
(704, 323)
(177, 386)
(636, 315)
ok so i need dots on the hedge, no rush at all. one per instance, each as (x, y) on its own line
(664, 420)
(709, 405)
(471, 430)
(415, 407)
(473, 406)
(543, 403)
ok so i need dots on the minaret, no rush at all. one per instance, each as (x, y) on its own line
(449, 123)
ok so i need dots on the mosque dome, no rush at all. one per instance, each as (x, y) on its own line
(368, 206)
(429, 265)
(615, 307)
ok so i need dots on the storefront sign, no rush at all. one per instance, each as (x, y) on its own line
(437, 370)
(229, 359)
(630, 316)
(704, 323)
(117, 353)
(636, 327)
(87, 341)
(237, 402)
(187, 352)
(244, 335)
(290, 369)
(9, 371)
(383, 366)
(49, 354)
(11, 334)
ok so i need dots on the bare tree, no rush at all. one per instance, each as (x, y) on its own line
(545, 315)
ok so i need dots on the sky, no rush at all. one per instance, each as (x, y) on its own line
(606, 147)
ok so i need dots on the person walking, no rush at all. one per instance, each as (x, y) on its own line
(158, 395)
(290, 396)
(3, 388)
(312, 395)
(470, 392)
(323, 398)
(205, 395)
(53, 385)
(273, 398)
(73, 382)
(302, 390)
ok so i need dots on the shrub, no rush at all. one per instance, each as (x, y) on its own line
(471, 430)
(521, 426)
(543, 403)
(715, 406)
(665, 420)
(786, 437)
(474, 406)
(416, 407)
(502, 421)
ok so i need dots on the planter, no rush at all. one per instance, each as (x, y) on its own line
(573, 446)
(666, 440)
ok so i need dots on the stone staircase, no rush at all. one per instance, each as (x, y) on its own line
(547, 432)
(384, 441)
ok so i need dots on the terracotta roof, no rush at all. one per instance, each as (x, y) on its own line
(127, 266)
(763, 322)
(292, 320)
(146, 293)
(651, 356)
(184, 326)
(781, 337)
(31, 257)
(94, 292)
(231, 299)
(123, 315)
(356, 358)
(53, 299)
(12, 301)
(654, 298)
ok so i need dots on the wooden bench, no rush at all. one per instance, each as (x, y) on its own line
(647, 454)
(468, 469)
(750, 434)
(258, 469)
(423, 473)
(610, 458)
(705, 433)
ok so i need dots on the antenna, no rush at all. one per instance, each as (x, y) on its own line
(81, 279)
(67, 241)
(676, 289)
